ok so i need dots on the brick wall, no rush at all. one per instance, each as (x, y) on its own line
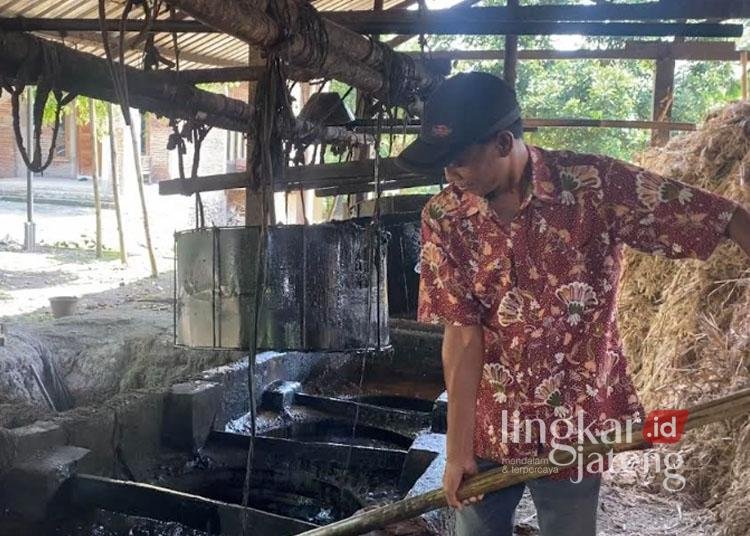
(84, 151)
(7, 139)
(158, 135)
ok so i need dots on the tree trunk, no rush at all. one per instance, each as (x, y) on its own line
(95, 179)
(115, 185)
(142, 195)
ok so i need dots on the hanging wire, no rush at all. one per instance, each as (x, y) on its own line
(374, 242)
(273, 117)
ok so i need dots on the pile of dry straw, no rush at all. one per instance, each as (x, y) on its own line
(686, 324)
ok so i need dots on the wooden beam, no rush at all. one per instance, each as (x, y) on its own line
(221, 74)
(344, 55)
(144, 500)
(94, 39)
(743, 74)
(401, 39)
(370, 187)
(633, 50)
(663, 97)
(647, 11)
(607, 123)
(22, 56)
(307, 177)
(484, 21)
(37, 24)
(510, 61)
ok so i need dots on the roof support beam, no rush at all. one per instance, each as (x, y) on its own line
(347, 56)
(22, 57)
(490, 21)
(633, 50)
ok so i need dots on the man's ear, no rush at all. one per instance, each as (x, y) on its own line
(504, 142)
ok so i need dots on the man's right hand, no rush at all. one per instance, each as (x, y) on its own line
(455, 473)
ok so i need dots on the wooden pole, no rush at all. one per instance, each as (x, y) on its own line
(142, 196)
(115, 184)
(22, 57)
(663, 95)
(743, 59)
(633, 50)
(95, 178)
(348, 56)
(735, 405)
(510, 62)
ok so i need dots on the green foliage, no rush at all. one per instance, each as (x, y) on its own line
(597, 89)
(81, 107)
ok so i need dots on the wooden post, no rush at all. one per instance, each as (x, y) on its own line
(95, 178)
(743, 59)
(142, 196)
(115, 184)
(253, 198)
(663, 95)
(510, 62)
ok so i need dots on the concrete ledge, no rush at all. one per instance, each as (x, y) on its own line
(28, 487)
(190, 412)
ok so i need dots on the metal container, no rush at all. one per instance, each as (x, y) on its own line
(400, 216)
(321, 290)
(404, 248)
(63, 305)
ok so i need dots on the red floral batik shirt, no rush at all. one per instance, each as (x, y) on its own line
(543, 288)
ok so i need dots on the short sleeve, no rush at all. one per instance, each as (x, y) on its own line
(663, 216)
(445, 295)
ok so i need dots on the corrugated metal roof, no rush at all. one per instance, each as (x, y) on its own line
(196, 50)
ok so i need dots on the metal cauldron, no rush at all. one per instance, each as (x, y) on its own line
(321, 288)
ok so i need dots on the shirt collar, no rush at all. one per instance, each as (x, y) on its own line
(543, 188)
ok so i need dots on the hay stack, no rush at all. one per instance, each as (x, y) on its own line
(686, 324)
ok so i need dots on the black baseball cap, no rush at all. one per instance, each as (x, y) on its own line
(463, 110)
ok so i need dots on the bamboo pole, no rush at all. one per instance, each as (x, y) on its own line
(348, 57)
(115, 185)
(142, 195)
(95, 179)
(734, 405)
(743, 60)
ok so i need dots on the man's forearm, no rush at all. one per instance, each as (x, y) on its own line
(463, 359)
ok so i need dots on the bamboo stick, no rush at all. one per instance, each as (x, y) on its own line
(743, 61)
(734, 405)
(142, 197)
(115, 185)
(95, 179)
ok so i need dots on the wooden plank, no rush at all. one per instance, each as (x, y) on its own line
(480, 21)
(646, 11)
(663, 97)
(653, 11)
(214, 517)
(370, 187)
(306, 176)
(607, 123)
(86, 74)
(633, 50)
(510, 61)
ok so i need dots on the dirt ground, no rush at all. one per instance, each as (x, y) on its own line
(124, 321)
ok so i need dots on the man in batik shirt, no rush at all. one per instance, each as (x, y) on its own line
(520, 261)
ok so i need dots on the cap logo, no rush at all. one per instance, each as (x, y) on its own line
(441, 131)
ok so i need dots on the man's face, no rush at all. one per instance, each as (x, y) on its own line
(480, 169)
